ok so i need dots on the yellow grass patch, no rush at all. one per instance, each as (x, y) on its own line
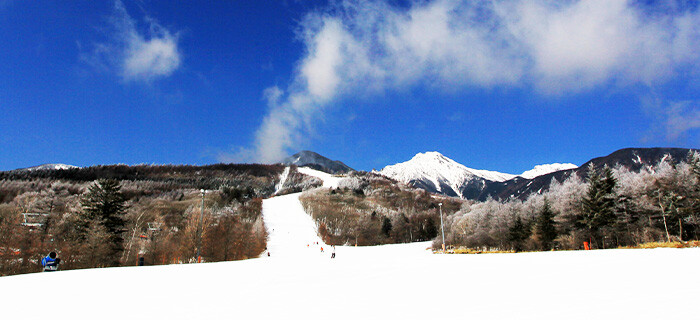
(472, 251)
(674, 244)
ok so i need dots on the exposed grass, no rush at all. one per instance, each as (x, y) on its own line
(648, 245)
(471, 251)
(674, 244)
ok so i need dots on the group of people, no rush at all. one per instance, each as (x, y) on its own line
(332, 253)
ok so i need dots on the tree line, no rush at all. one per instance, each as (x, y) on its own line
(154, 215)
(611, 207)
(369, 209)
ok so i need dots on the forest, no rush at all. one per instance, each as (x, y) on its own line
(608, 208)
(369, 209)
(106, 216)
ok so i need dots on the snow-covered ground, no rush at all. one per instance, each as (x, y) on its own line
(383, 282)
(329, 181)
(540, 170)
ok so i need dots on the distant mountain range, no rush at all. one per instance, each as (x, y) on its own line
(316, 161)
(438, 174)
(49, 166)
(634, 159)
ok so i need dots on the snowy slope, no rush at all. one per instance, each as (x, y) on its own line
(292, 233)
(386, 282)
(434, 169)
(329, 181)
(540, 170)
(383, 282)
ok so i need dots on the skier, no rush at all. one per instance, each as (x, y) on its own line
(50, 262)
(321, 249)
(333, 253)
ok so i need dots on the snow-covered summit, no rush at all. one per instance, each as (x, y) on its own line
(433, 170)
(51, 166)
(543, 169)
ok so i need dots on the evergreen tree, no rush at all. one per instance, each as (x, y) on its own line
(517, 234)
(104, 203)
(545, 228)
(386, 226)
(599, 201)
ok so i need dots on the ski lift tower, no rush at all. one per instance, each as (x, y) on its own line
(199, 229)
(442, 227)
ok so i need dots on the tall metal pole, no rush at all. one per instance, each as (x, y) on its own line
(442, 227)
(199, 230)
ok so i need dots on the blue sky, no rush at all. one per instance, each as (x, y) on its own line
(500, 85)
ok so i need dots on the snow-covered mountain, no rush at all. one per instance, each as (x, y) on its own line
(316, 161)
(434, 172)
(50, 166)
(543, 169)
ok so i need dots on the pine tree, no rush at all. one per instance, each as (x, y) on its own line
(386, 226)
(517, 234)
(545, 228)
(598, 202)
(104, 203)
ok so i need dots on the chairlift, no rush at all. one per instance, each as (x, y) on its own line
(154, 226)
(34, 219)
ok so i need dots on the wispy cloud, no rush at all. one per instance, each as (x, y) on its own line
(134, 55)
(555, 47)
(681, 118)
(671, 120)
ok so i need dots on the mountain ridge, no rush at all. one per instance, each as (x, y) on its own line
(316, 161)
(49, 166)
(438, 174)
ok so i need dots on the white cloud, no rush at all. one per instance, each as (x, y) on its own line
(134, 55)
(556, 47)
(681, 117)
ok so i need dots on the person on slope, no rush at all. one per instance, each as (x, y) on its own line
(50, 262)
(333, 253)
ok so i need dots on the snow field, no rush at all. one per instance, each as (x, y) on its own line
(377, 283)
(329, 181)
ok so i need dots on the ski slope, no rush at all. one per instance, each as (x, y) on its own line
(291, 231)
(383, 282)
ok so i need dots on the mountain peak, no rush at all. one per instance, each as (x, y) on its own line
(438, 173)
(316, 161)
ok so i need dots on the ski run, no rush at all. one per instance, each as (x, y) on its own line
(407, 281)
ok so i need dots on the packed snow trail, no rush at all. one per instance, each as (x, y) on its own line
(292, 232)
